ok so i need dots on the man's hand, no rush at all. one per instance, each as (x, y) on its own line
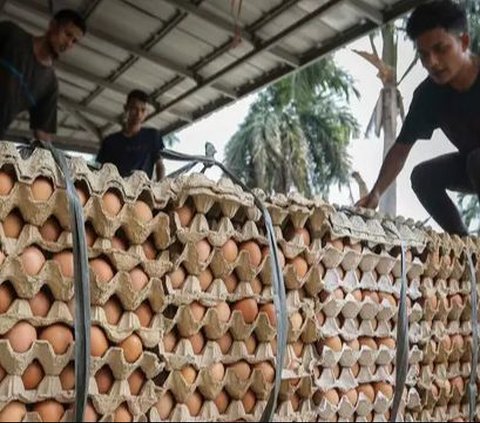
(370, 201)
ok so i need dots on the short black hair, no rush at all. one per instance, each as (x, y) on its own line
(138, 95)
(446, 14)
(66, 16)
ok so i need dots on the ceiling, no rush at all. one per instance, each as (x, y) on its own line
(191, 56)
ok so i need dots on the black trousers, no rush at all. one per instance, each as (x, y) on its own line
(456, 172)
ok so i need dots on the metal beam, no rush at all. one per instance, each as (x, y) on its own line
(101, 113)
(90, 8)
(83, 121)
(368, 11)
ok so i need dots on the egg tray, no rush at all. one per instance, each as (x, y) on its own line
(312, 282)
(352, 329)
(347, 357)
(296, 383)
(306, 412)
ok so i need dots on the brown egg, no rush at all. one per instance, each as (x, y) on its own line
(320, 318)
(357, 295)
(368, 342)
(367, 390)
(251, 344)
(203, 250)
(149, 249)
(113, 310)
(111, 204)
(256, 285)
(82, 192)
(189, 374)
(205, 278)
(139, 278)
(67, 377)
(194, 404)
(136, 381)
(32, 260)
(177, 277)
(269, 309)
(13, 224)
(132, 348)
(90, 414)
(385, 388)
(51, 229)
(223, 311)
(102, 269)
(355, 369)
(119, 243)
(457, 341)
(231, 282)
(198, 311)
(304, 234)
(431, 302)
(217, 371)
(122, 414)
(65, 261)
(300, 265)
(331, 396)
(458, 384)
(388, 342)
(225, 342)
(221, 401)
(336, 243)
(59, 336)
(249, 400)
(145, 314)
(354, 344)
(6, 182)
(334, 343)
(249, 309)
(13, 412)
(42, 189)
(230, 251)
(142, 211)
(336, 371)
(90, 235)
(388, 297)
(352, 396)
(21, 336)
(267, 370)
(372, 295)
(169, 341)
(104, 378)
(33, 375)
(198, 342)
(281, 257)
(296, 321)
(298, 348)
(98, 342)
(165, 405)
(7, 295)
(241, 369)
(49, 410)
(185, 215)
(456, 300)
(254, 253)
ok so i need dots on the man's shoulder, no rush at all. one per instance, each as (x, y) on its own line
(14, 30)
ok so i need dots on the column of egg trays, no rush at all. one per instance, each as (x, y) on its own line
(357, 313)
(445, 332)
(219, 339)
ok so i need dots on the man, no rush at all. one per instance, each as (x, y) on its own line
(27, 76)
(134, 147)
(449, 99)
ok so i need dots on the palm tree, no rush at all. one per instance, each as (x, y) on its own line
(296, 134)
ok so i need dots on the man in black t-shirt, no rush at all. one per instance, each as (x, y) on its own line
(134, 148)
(27, 77)
(449, 99)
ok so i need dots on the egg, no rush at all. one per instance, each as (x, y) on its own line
(59, 336)
(223, 312)
(352, 396)
(149, 249)
(197, 310)
(185, 214)
(241, 369)
(296, 321)
(456, 300)
(221, 401)
(300, 265)
(446, 343)
(257, 286)
(33, 375)
(268, 371)
(169, 341)
(198, 342)
(330, 396)
(334, 343)
(248, 308)
(189, 374)
(367, 390)
(457, 341)
(65, 262)
(13, 412)
(165, 405)
(205, 278)
(122, 414)
(102, 269)
(372, 295)
(355, 369)
(385, 388)
(231, 282)
(139, 278)
(32, 260)
(225, 342)
(13, 224)
(249, 400)
(270, 311)
(132, 348)
(136, 381)
(217, 371)
(42, 189)
(49, 410)
(354, 344)
(336, 243)
(98, 342)
(357, 295)
(320, 318)
(104, 379)
(113, 310)
(368, 342)
(82, 192)
(6, 182)
(194, 403)
(7, 295)
(111, 204)
(458, 384)
(230, 251)
(145, 314)
(142, 211)
(90, 414)
(389, 298)
(388, 342)
(3, 373)
(203, 250)
(51, 229)
(251, 344)
(67, 377)
(90, 235)
(21, 336)
(304, 235)
(119, 243)
(177, 277)
(298, 348)
(253, 252)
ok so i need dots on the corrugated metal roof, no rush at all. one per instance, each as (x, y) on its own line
(191, 56)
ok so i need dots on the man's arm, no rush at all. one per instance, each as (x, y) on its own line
(391, 167)
(160, 168)
(42, 135)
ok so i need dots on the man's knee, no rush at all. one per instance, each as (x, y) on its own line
(473, 166)
(420, 178)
